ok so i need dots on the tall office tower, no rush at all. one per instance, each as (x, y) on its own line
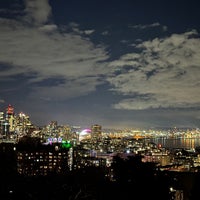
(10, 117)
(10, 110)
(96, 131)
(6, 129)
(53, 128)
(1, 122)
(23, 123)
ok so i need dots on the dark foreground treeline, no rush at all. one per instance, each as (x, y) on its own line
(132, 180)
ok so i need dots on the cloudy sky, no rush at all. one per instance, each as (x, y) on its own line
(118, 63)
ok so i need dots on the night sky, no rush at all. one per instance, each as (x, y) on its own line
(118, 63)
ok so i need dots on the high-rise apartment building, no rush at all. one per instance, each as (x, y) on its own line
(42, 160)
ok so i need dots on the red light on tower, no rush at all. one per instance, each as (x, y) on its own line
(10, 110)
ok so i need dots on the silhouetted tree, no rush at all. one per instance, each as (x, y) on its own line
(142, 179)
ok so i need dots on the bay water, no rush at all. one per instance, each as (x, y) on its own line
(176, 142)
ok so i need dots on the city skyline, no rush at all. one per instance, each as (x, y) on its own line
(115, 63)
